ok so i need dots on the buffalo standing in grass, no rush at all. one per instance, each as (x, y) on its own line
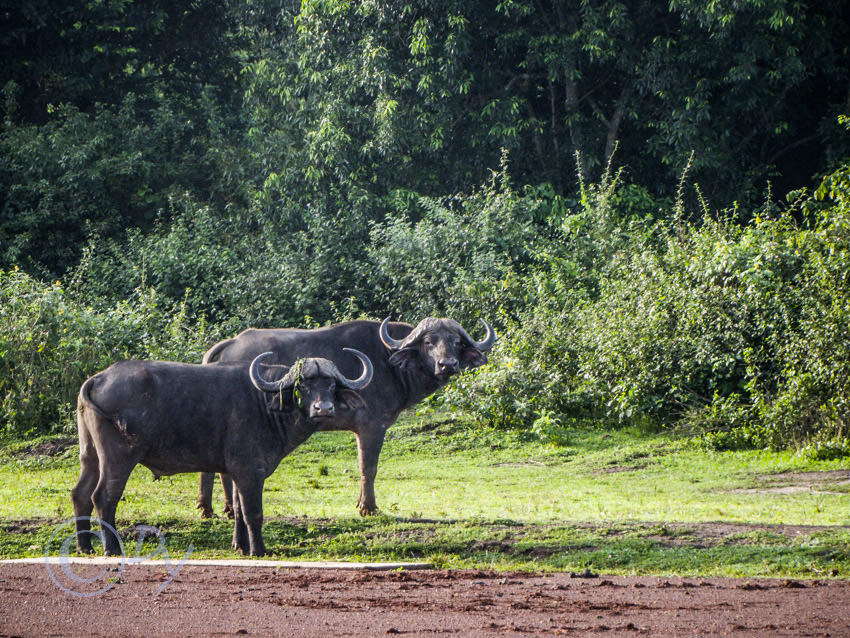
(410, 366)
(180, 417)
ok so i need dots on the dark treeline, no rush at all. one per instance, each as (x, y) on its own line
(182, 170)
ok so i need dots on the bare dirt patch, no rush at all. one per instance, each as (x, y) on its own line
(708, 534)
(614, 469)
(52, 447)
(831, 482)
(227, 601)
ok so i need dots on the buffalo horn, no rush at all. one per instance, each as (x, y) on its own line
(488, 342)
(258, 381)
(389, 342)
(365, 378)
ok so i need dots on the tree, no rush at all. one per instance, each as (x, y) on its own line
(109, 108)
(423, 95)
(85, 53)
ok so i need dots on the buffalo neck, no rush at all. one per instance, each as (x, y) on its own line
(417, 385)
(290, 427)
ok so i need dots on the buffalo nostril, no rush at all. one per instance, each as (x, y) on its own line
(323, 408)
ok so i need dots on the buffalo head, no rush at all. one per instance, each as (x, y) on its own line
(315, 385)
(439, 347)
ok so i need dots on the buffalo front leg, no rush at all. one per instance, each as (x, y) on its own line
(240, 531)
(248, 502)
(369, 444)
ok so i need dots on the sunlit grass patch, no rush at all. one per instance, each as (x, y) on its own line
(622, 502)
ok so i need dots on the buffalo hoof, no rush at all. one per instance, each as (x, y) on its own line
(206, 511)
(228, 510)
(367, 510)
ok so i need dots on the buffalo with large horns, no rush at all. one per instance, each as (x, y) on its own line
(411, 362)
(178, 417)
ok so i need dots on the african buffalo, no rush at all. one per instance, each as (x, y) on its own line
(180, 417)
(408, 368)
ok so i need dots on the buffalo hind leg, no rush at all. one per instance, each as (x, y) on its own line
(82, 494)
(205, 490)
(110, 487)
(227, 488)
(369, 444)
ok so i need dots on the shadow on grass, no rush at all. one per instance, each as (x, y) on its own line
(625, 548)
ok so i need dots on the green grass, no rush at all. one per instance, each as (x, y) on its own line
(618, 502)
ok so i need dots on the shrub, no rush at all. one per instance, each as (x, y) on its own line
(50, 343)
(807, 398)
(456, 256)
(826, 449)
(709, 326)
(536, 379)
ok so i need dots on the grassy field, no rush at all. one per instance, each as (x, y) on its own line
(618, 502)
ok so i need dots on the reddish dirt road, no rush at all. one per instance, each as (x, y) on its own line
(237, 601)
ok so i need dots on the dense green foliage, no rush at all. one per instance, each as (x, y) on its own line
(49, 343)
(177, 166)
(708, 324)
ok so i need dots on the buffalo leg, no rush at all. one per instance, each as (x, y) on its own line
(250, 509)
(205, 490)
(227, 488)
(81, 495)
(110, 487)
(369, 444)
(240, 531)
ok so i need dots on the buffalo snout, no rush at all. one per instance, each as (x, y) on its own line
(322, 409)
(447, 366)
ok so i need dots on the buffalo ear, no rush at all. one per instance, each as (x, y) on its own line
(350, 399)
(406, 358)
(472, 358)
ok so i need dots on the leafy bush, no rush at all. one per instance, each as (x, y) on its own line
(808, 396)
(50, 343)
(737, 331)
(679, 327)
(826, 450)
(95, 175)
(536, 380)
(457, 256)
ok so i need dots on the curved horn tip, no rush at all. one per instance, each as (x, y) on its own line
(488, 341)
(366, 377)
(488, 327)
(259, 382)
(386, 339)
